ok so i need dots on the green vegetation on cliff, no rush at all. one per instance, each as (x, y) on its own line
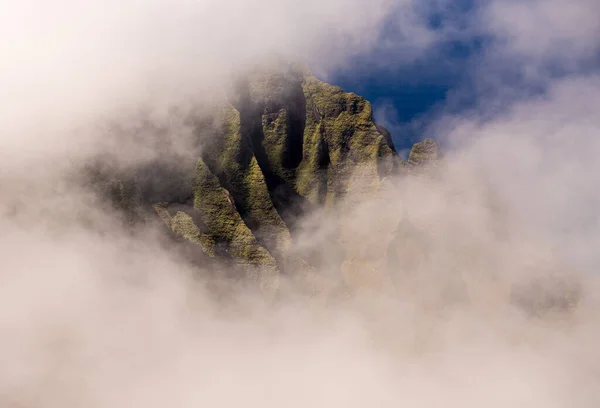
(341, 125)
(230, 157)
(288, 144)
(424, 152)
(225, 225)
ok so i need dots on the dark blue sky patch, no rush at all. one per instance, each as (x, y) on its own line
(417, 87)
(463, 72)
(414, 89)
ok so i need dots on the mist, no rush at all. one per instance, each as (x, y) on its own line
(491, 296)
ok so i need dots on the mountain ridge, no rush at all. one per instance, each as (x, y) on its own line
(285, 146)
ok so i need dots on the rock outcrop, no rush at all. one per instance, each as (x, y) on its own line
(287, 145)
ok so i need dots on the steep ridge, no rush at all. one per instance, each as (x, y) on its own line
(288, 144)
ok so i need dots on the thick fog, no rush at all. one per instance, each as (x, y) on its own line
(492, 299)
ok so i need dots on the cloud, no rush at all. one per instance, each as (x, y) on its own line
(541, 29)
(95, 314)
(543, 151)
(68, 63)
(516, 50)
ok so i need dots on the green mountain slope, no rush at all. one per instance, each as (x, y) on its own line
(288, 144)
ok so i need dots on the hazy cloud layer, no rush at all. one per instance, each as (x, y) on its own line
(67, 62)
(541, 29)
(93, 314)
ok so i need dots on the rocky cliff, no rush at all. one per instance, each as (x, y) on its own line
(287, 145)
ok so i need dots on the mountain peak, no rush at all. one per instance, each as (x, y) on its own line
(424, 152)
(288, 145)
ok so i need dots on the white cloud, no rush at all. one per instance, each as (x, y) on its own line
(113, 318)
(550, 29)
(68, 62)
(542, 155)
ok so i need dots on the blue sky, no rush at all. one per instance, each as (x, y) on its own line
(468, 65)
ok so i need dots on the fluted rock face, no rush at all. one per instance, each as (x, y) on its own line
(288, 144)
(424, 152)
